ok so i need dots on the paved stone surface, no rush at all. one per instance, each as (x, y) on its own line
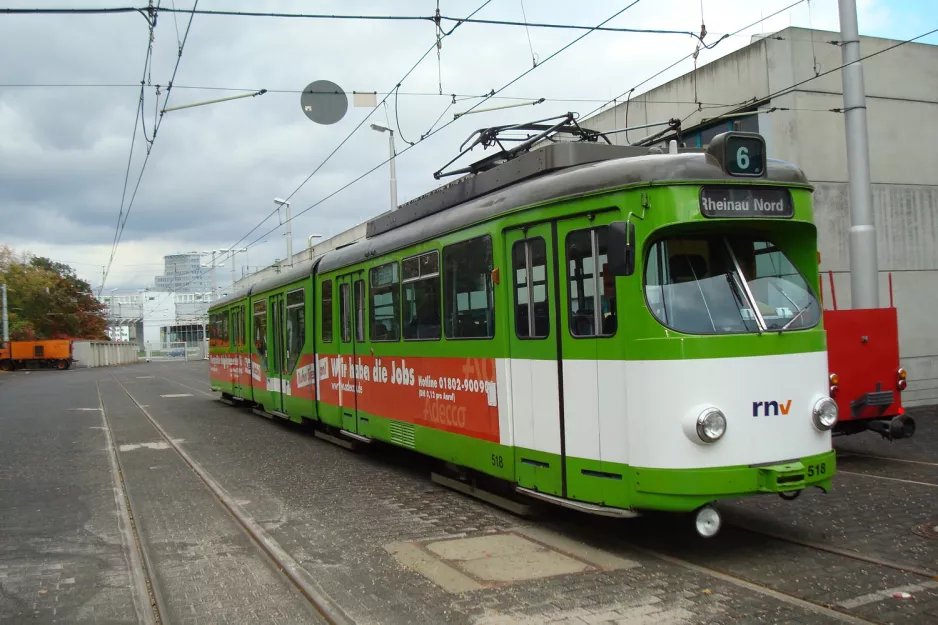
(337, 512)
(341, 515)
(61, 554)
(205, 567)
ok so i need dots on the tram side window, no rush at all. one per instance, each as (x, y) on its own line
(421, 280)
(385, 303)
(223, 324)
(469, 300)
(260, 331)
(359, 311)
(592, 298)
(218, 329)
(326, 311)
(345, 312)
(529, 268)
(296, 327)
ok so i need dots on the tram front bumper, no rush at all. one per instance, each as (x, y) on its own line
(687, 489)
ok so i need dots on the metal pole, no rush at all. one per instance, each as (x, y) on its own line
(393, 171)
(864, 269)
(6, 318)
(233, 253)
(289, 225)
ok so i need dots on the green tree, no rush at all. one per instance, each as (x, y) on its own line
(48, 300)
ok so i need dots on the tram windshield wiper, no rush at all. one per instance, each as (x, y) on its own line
(741, 300)
(797, 316)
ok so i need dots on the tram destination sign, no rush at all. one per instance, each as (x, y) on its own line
(746, 202)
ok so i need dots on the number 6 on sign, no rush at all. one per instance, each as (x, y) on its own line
(740, 154)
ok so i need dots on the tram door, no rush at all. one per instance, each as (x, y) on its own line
(244, 385)
(351, 344)
(235, 351)
(593, 376)
(563, 317)
(535, 358)
(278, 381)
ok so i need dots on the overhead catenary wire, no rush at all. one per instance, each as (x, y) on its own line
(248, 90)
(355, 129)
(436, 18)
(146, 158)
(684, 58)
(133, 140)
(345, 140)
(354, 181)
(429, 134)
(794, 86)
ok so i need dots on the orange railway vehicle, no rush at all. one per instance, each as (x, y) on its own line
(36, 354)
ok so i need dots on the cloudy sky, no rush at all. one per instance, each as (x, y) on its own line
(214, 170)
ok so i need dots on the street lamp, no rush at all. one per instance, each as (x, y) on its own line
(233, 252)
(289, 226)
(390, 132)
(309, 243)
(213, 252)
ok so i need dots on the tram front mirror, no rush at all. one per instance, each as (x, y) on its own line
(621, 250)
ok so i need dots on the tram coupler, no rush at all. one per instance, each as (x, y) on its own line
(902, 426)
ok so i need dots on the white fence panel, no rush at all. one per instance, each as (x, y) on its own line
(104, 353)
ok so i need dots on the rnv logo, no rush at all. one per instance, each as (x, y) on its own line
(767, 406)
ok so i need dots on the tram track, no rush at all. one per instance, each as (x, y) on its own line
(817, 546)
(843, 610)
(850, 454)
(884, 477)
(138, 563)
(900, 470)
(269, 548)
(816, 607)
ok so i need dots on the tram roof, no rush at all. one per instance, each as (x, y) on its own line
(233, 297)
(547, 179)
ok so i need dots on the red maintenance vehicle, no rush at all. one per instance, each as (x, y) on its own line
(865, 375)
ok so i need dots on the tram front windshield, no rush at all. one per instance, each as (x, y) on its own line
(726, 285)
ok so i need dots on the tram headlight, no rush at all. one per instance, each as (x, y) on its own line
(825, 413)
(711, 425)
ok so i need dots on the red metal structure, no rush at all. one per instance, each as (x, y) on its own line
(866, 378)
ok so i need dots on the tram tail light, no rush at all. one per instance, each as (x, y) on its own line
(835, 384)
(903, 382)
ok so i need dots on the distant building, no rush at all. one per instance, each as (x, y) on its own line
(769, 88)
(183, 273)
(156, 317)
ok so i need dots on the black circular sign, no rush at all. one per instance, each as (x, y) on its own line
(324, 102)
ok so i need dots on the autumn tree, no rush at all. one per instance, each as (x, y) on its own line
(48, 300)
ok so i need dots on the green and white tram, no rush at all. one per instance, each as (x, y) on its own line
(608, 328)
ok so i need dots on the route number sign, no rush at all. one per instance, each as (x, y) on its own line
(745, 155)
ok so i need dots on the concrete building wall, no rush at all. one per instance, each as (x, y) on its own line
(902, 104)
